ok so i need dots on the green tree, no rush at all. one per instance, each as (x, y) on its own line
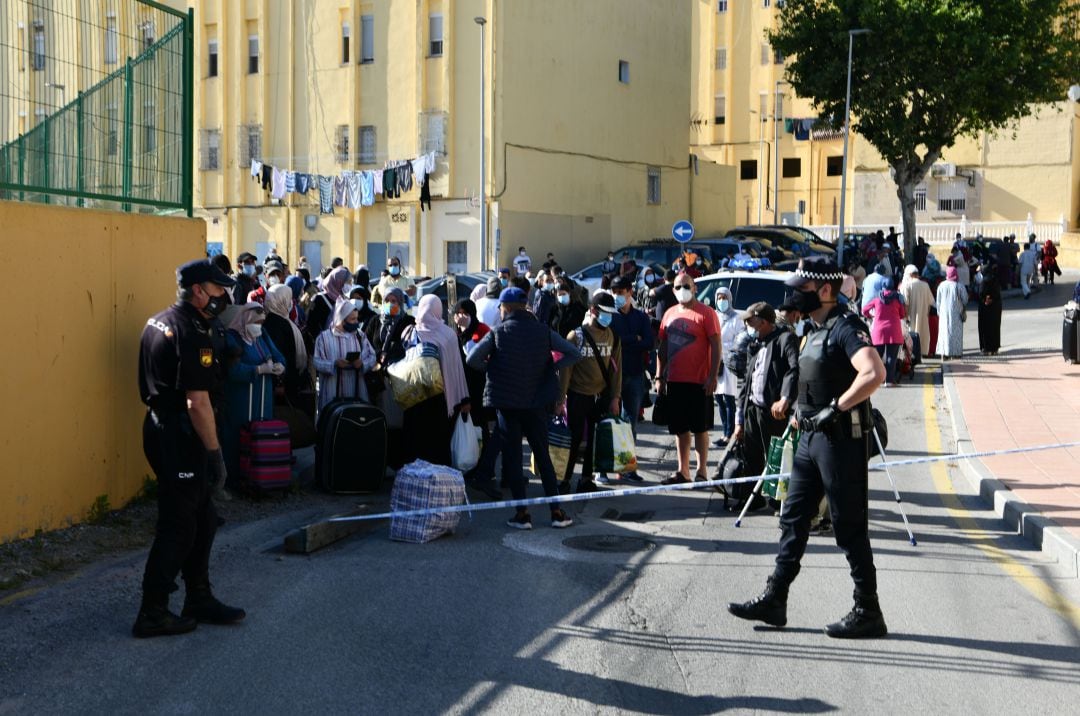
(930, 72)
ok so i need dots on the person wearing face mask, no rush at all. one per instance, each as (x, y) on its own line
(838, 372)
(591, 387)
(727, 387)
(275, 275)
(394, 278)
(285, 336)
(244, 277)
(369, 318)
(770, 389)
(638, 341)
(608, 267)
(254, 362)
(521, 386)
(180, 377)
(470, 332)
(321, 309)
(522, 262)
(487, 308)
(688, 364)
(568, 313)
(542, 303)
(340, 377)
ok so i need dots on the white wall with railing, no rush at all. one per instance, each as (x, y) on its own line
(940, 232)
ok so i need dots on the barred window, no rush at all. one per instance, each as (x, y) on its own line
(652, 187)
(341, 144)
(37, 57)
(249, 140)
(366, 141)
(952, 196)
(721, 58)
(433, 132)
(210, 150)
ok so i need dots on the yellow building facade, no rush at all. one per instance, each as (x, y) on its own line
(585, 121)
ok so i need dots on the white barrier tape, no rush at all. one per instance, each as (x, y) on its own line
(605, 494)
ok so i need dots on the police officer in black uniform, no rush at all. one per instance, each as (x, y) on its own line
(838, 371)
(179, 377)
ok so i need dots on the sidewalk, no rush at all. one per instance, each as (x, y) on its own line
(1025, 396)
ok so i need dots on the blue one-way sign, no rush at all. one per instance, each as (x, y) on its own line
(682, 231)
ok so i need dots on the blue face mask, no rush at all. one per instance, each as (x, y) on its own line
(620, 301)
(395, 270)
(724, 305)
(350, 327)
(249, 269)
(564, 299)
(504, 282)
(604, 319)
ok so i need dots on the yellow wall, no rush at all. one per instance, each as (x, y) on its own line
(71, 425)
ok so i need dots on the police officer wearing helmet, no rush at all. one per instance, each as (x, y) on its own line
(838, 371)
(179, 376)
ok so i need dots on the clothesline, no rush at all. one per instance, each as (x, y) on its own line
(351, 189)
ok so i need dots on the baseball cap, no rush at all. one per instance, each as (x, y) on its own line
(815, 268)
(604, 301)
(246, 256)
(760, 310)
(201, 271)
(513, 294)
(494, 285)
(621, 283)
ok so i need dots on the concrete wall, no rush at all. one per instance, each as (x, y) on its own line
(70, 430)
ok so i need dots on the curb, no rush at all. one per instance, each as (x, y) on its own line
(1036, 528)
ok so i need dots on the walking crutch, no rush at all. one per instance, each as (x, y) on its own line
(896, 493)
(760, 483)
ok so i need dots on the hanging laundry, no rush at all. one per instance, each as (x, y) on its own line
(326, 195)
(425, 192)
(789, 125)
(419, 169)
(340, 191)
(267, 173)
(390, 187)
(256, 169)
(353, 191)
(290, 182)
(367, 188)
(404, 177)
(303, 183)
(277, 184)
(802, 129)
(377, 176)
(429, 160)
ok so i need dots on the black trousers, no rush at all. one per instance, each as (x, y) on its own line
(583, 413)
(187, 520)
(759, 427)
(833, 466)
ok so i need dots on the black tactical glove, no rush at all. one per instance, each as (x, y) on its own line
(215, 468)
(823, 419)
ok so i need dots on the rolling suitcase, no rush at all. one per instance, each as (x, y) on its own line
(265, 448)
(934, 321)
(916, 348)
(350, 452)
(1070, 351)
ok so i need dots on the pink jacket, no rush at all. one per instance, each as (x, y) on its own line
(888, 326)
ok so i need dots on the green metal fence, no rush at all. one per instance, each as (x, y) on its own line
(96, 102)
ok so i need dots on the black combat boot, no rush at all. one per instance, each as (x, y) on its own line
(770, 607)
(155, 619)
(864, 621)
(201, 604)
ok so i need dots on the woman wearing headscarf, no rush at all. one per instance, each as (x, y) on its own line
(951, 299)
(297, 315)
(362, 277)
(285, 335)
(887, 330)
(322, 308)
(339, 376)
(1049, 261)
(369, 319)
(429, 424)
(989, 298)
(931, 273)
(470, 330)
(919, 299)
(393, 320)
(253, 363)
(727, 387)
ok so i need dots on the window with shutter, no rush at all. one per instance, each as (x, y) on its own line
(112, 39)
(212, 58)
(345, 33)
(435, 36)
(37, 58)
(253, 54)
(766, 53)
(367, 39)
(720, 109)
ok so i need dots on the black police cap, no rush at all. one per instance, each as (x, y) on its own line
(201, 271)
(815, 268)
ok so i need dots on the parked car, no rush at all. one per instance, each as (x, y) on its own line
(811, 236)
(784, 238)
(663, 252)
(464, 284)
(591, 276)
(746, 288)
(748, 254)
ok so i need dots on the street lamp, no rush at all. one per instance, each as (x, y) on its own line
(776, 151)
(847, 131)
(483, 159)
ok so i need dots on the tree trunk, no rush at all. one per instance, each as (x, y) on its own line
(907, 173)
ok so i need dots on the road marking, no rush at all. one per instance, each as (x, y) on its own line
(1021, 573)
(12, 598)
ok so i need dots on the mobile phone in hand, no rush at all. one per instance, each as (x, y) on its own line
(355, 355)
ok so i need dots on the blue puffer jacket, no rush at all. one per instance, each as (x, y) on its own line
(517, 358)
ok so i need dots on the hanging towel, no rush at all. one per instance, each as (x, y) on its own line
(789, 125)
(290, 182)
(425, 193)
(419, 169)
(267, 172)
(390, 187)
(367, 188)
(277, 183)
(340, 191)
(326, 195)
(353, 191)
(377, 180)
(256, 169)
(802, 129)
(303, 183)
(404, 177)
(430, 161)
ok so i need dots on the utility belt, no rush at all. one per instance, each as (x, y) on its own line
(855, 424)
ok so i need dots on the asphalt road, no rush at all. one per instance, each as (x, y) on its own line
(502, 621)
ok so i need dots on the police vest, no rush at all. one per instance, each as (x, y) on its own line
(825, 371)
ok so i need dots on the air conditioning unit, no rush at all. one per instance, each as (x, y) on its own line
(943, 171)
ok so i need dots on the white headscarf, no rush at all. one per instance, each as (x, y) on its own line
(279, 301)
(342, 309)
(911, 275)
(247, 314)
(431, 329)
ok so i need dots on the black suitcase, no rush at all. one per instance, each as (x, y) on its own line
(1069, 348)
(916, 349)
(350, 452)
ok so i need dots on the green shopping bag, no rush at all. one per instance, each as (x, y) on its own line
(613, 448)
(779, 460)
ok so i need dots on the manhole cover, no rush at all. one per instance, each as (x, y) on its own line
(609, 543)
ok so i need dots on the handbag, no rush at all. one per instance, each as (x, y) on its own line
(558, 435)
(661, 410)
(613, 446)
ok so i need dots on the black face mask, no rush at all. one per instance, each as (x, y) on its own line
(215, 305)
(806, 302)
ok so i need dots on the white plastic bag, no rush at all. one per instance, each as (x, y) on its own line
(465, 444)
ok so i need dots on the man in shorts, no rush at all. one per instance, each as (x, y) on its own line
(687, 368)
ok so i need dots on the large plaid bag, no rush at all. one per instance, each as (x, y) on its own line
(420, 486)
(417, 376)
